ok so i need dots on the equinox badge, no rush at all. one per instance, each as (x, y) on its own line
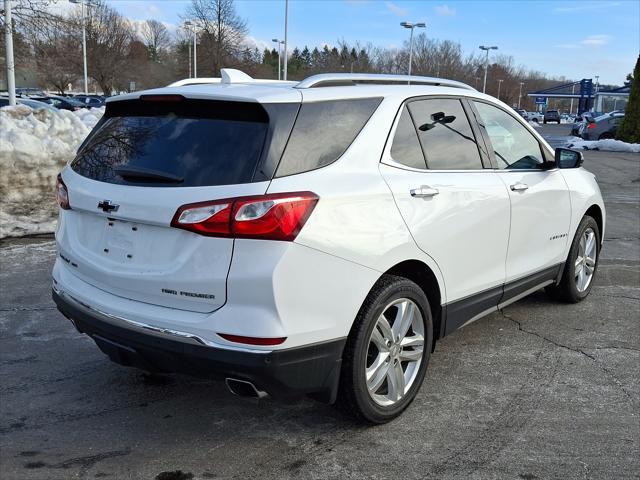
(107, 206)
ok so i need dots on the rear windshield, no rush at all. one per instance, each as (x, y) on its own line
(186, 144)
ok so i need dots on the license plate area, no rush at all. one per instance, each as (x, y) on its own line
(120, 240)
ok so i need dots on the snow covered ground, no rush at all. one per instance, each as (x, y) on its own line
(34, 146)
(607, 145)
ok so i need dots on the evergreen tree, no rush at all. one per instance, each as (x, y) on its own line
(629, 130)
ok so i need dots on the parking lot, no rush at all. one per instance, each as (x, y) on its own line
(540, 390)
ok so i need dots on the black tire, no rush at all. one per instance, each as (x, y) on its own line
(566, 290)
(545, 122)
(605, 136)
(353, 394)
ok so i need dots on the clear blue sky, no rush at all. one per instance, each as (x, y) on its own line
(577, 39)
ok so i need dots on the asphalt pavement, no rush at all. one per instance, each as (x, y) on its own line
(541, 390)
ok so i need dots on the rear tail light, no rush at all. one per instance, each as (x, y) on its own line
(278, 216)
(591, 125)
(62, 194)
(253, 340)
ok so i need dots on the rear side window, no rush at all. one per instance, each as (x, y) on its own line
(405, 148)
(322, 133)
(184, 145)
(445, 134)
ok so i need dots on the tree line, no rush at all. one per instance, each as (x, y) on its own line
(48, 47)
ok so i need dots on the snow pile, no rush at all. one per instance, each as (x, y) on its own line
(606, 145)
(34, 146)
(535, 124)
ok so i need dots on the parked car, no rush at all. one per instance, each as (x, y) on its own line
(602, 127)
(29, 92)
(93, 101)
(62, 103)
(4, 101)
(535, 117)
(314, 238)
(521, 112)
(551, 116)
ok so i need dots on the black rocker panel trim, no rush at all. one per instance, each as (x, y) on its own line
(457, 313)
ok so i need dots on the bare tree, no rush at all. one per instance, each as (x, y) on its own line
(223, 32)
(157, 39)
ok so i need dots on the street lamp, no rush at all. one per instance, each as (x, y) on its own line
(486, 64)
(597, 82)
(500, 80)
(520, 94)
(279, 42)
(411, 26)
(191, 27)
(84, 40)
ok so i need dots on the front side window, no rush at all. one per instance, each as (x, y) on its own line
(405, 148)
(513, 145)
(445, 134)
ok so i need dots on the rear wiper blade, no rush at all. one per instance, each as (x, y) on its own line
(147, 174)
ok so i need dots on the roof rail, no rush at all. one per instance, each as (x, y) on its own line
(194, 81)
(344, 79)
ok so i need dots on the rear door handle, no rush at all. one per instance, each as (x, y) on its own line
(519, 187)
(424, 191)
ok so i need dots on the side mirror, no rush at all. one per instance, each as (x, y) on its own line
(567, 158)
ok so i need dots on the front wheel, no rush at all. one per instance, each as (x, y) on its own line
(581, 265)
(387, 352)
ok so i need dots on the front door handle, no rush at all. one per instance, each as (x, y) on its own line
(519, 187)
(424, 191)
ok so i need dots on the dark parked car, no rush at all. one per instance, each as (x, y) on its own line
(62, 103)
(29, 102)
(29, 92)
(604, 126)
(93, 101)
(552, 116)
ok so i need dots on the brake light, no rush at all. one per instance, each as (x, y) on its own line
(591, 125)
(253, 340)
(278, 216)
(62, 194)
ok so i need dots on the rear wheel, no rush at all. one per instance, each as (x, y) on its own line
(605, 135)
(387, 352)
(582, 263)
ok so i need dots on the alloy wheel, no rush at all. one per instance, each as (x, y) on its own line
(585, 264)
(395, 352)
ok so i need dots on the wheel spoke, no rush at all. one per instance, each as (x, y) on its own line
(410, 355)
(385, 328)
(590, 244)
(413, 341)
(581, 279)
(378, 339)
(377, 372)
(395, 382)
(578, 263)
(404, 318)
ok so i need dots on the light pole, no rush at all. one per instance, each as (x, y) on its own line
(286, 21)
(84, 41)
(192, 28)
(500, 80)
(411, 26)
(8, 37)
(486, 64)
(279, 42)
(520, 94)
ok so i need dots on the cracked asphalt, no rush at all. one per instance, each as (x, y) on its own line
(540, 390)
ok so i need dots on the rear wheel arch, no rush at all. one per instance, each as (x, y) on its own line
(420, 273)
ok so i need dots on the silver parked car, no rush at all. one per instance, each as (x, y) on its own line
(604, 126)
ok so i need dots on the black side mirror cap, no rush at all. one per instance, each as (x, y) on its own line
(567, 158)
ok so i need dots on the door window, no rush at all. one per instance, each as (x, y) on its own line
(405, 148)
(445, 134)
(513, 144)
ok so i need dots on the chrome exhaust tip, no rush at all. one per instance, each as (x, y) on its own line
(243, 388)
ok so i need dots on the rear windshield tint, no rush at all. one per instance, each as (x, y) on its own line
(322, 133)
(186, 144)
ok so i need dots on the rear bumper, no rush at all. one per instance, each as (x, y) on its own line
(313, 369)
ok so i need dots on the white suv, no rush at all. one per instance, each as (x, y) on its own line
(317, 237)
